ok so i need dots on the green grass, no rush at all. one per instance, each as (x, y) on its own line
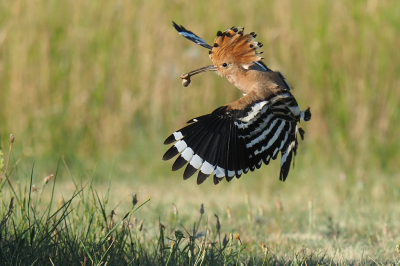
(84, 229)
(83, 220)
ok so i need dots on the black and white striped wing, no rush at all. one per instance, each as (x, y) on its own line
(269, 128)
(191, 36)
(229, 143)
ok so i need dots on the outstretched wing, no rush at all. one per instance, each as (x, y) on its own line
(191, 36)
(229, 142)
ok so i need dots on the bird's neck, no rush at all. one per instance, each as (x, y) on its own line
(258, 81)
(243, 80)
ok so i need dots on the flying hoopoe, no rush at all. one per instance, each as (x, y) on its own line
(239, 136)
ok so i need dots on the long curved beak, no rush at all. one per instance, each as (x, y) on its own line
(186, 76)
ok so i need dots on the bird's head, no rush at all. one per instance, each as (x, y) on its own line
(232, 53)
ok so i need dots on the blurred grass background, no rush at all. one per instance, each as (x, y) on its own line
(97, 83)
(99, 80)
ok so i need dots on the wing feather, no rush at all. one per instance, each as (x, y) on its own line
(191, 36)
(229, 142)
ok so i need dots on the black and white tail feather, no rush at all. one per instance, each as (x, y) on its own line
(230, 143)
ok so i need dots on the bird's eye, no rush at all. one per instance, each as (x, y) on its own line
(224, 64)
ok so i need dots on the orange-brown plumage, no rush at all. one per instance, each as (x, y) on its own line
(232, 46)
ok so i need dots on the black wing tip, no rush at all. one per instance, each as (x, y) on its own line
(170, 153)
(284, 172)
(282, 177)
(285, 167)
(302, 132)
(189, 171)
(217, 180)
(182, 30)
(179, 163)
(178, 28)
(171, 139)
(201, 177)
(307, 114)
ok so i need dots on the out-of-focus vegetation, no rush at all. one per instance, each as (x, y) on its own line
(95, 85)
(99, 80)
(88, 227)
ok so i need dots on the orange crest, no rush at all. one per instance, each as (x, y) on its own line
(232, 46)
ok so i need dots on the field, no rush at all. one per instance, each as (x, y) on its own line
(90, 90)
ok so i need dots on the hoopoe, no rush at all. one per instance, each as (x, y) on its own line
(241, 135)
